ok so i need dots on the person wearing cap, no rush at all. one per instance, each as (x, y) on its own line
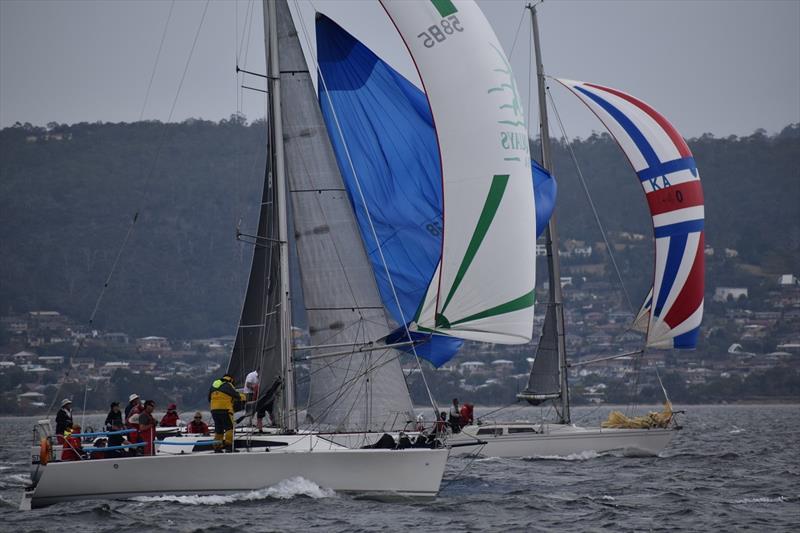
(72, 450)
(223, 398)
(114, 415)
(147, 426)
(171, 419)
(133, 403)
(63, 419)
(132, 412)
(197, 425)
(99, 442)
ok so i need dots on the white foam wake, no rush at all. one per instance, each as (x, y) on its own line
(286, 489)
(581, 456)
(764, 499)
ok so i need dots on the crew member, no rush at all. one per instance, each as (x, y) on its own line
(455, 416)
(266, 405)
(466, 414)
(171, 419)
(133, 403)
(114, 417)
(73, 449)
(63, 419)
(132, 411)
(222, 396)
(197, 425)
(147, 426)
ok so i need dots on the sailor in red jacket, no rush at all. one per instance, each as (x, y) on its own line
(197, 425)
(72, 450)
(171, 419)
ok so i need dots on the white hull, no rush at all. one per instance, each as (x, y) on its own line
(556, 440)
(380, 473)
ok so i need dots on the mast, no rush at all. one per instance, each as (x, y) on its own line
(555, 301)
(278, 171)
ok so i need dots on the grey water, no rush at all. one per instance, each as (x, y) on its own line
(731, 468)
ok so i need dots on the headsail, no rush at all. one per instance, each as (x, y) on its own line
(382, 132)
(483, 287)
(667, 171)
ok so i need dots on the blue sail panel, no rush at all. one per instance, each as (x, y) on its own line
(391, 168)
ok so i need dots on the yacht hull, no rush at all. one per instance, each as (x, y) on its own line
(385, 474)
(555, 440)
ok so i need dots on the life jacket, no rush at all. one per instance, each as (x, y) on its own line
(466, 414)
(197, 427)
(222, 396)
(72, 448)
(169, 420)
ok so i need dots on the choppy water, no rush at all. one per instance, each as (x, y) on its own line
(731, 468)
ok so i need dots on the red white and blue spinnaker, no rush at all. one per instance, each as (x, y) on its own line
(673, 310)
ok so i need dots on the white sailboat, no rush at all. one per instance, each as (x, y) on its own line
(671, 314)
(358, 383)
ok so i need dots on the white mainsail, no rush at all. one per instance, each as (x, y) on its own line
(483, 288)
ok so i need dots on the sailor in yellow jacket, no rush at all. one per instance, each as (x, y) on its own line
(223, 396)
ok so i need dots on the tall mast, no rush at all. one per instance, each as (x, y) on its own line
(278, 171)
(551, 233)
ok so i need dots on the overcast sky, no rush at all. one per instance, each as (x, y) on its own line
(725, 67)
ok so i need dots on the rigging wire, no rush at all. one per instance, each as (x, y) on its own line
(148, 176)
(363, 199)
(155, 64)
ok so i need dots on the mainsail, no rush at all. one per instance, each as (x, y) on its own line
(482, 288)
(349, 391)
(667, 171)
(358, 390)
(382, 132)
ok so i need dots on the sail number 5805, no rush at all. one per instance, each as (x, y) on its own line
(439, 32)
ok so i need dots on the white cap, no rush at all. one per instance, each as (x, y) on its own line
(133, 397)
(65, 401)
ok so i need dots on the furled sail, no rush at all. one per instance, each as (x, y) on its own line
(355, 391)
(383, 136)
(257, 345)
(667, 171)
(482, 288)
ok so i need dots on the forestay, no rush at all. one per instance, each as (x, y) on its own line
(673, 309)
(483, 286)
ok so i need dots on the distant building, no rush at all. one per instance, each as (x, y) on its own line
(152, 344)
(722, 294)
(472, 366)
(730, 253)
(787, 280)
(116, 338)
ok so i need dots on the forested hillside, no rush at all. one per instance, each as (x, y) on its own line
(68, 195)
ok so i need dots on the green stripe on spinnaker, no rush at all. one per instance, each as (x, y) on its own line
(496, 191)
(516, 304)
(444, 7)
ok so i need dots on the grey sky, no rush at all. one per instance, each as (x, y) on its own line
(726, 67)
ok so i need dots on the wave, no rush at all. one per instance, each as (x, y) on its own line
(582, 456)
(762, 499)
(736, 430)
(17, 480)
(284, 490)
